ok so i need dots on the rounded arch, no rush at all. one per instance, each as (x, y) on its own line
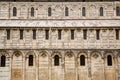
(109, 58)
(82, 53)
(69, 54)
(5, 53)
(17, 53)
(30, 53)
(43, 53)
(56, 53)
(95, 54)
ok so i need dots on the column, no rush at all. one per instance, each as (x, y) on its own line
(50, 65)
(63, 65)
(89, 65)
(116, 66)
(103, 64)
(37, 67)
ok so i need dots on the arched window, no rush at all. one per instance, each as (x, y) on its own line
(3, 61)
(56, 60)
(117, 11)
(49, 11)
(30, 60)
(14, 11)
(83, 11)
(66, 11)
(109, 60)
(101, 11)
(82, 60)
(32, 11)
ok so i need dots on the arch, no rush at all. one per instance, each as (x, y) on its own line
(30, 53)
(82, 60)
(69, 54)
(17, 53)
(14, 11)
(56, 60)
(66, 11)
(49, 11)
(109, 60)
(56, 53)
(101, 11)
(43, 53)
(83, 11)
(3, 60)
(32, 12)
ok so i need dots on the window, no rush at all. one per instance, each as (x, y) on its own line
(66, 11)
(117, 34)
(85, 34)
(56, 60)
(83, 0)
(109, 60)
(59, 34)
(82, 60)
(14, 11)
(49, 11)
(34, 34)
(101, 11)
(30, 60)
(8, 34)
(72, 34)
(3, 60)
(47, 34)
(83, 11)
(21, 34)
(32, 12)
(97, 34)
(117, 11)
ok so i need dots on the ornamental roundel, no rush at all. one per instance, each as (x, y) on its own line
(95, 56)
(17, 53)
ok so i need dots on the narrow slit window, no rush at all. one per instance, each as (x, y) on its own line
(66, 11)
(117, 11)
(8, 34)
(49, 11)
(109, 60)
(82, 60)
(14, 11)
(56, 60)
(32, 12)
(101, 11)
(117, 34)
(3, 61)
(97, 34)
(85, 34)
(83, 11)
(47, 34)
(34, 34)
(21, 34)
(72, 34)
(59, 34)
(30, 60)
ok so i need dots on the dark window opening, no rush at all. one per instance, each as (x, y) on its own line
(34, 34)
(21, 34)
(85, 34)
(82, 60)
(83, 11)
(101, 11)
(32, 11)
(47, 34)
(117, 34)
(72, 34)
(3, 61)
(117, 11)
(8, 34)
(97, 34)
(109, 60)
(14, 11)
(66, 11)
(56, 60)
(30, 60)
(59, 34)
(49, 11)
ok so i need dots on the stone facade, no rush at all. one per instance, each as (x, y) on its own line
(80, 54)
